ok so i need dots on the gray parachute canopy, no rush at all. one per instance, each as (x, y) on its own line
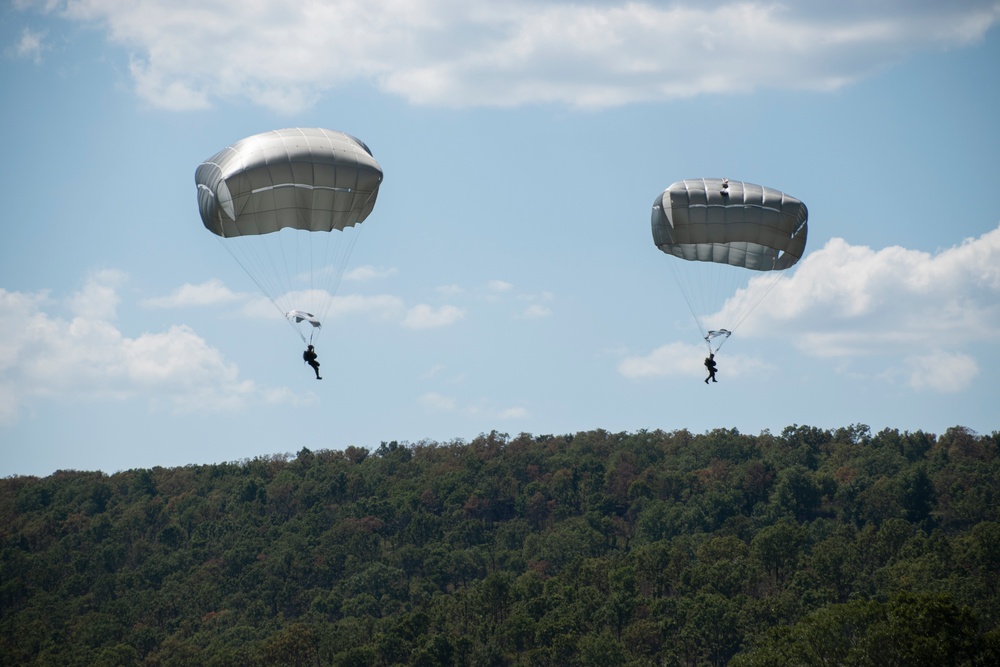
(730, 222)
(303, 178)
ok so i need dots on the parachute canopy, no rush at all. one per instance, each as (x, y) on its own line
(304, 178)
(719, 233)
(287, 205)
(730, 222)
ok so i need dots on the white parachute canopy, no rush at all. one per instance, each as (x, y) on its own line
(288, 206)
(719, 234)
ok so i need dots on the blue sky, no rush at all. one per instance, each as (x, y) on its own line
(507, 278)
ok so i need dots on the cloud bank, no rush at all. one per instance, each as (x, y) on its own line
(921, 313)
(210, 293)
(435, 402)
(84, 357)
(847, 300)
(464, 53)
(383, 307)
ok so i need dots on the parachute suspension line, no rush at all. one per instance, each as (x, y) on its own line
(338, 251)
(267, 266)
(264, 268)
(762, 286)
(259, 263)
(227, 246)
(312, 333)
(685, 291)
(336, 260)
(261, 286)
(297, 331)
(721, 342)
(705, 286)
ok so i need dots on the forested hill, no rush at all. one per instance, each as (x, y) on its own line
(652, 548)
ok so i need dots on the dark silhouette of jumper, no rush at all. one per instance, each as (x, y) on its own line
(710, 365)
(309, 356)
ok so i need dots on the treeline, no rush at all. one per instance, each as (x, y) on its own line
(652, 548)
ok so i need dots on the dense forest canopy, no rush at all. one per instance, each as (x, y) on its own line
(651, 548)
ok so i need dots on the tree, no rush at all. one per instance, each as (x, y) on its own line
(777, 549)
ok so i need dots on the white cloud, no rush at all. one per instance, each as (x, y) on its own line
(86, 357)
(495, 291)
(668, 360)
(483, 53)
(685, 360)
(498, 291)
(383, 306)
(436, 402)
(535, 311)
(500, 286)
(98, 299)
(318, 302)
(260, 307)
(437, 372)
(536, 308)
(423, 316)
(845, 300)
(941, 371)
(516, 412)
(487, 409)
(22, 318)
(368, 272)
(434, 371)
(30, 46)
(209, 293)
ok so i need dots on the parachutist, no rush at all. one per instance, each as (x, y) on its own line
(710, 365)
(309, 356)
(714, 240)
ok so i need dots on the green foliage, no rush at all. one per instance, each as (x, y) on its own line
(650, 548)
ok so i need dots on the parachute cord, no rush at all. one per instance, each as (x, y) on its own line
(748, 310)
(335, 255)
(338, 258)
(272, 277)
(262, 258)
(263, 291)
(687, 300)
